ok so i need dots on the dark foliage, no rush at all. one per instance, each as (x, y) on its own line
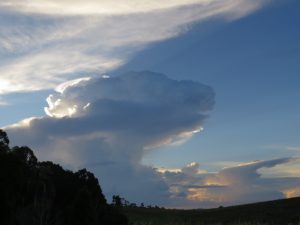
(279, 212)
(117, 200)
(43, 193)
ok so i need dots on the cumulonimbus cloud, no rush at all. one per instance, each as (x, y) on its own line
(108, 124)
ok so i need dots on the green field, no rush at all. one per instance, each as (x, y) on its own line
(280, 212)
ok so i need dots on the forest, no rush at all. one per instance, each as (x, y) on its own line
(43, 193)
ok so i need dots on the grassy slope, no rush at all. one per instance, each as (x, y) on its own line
(279, 212)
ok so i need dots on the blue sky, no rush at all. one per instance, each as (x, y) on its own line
(243, 59)
(253, 66)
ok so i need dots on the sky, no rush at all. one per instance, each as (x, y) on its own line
(178, 103)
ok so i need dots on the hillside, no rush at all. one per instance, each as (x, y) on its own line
(279, 212)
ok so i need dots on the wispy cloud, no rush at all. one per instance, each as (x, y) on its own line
(42, 46)
(88, 7)
(291, 148)
(3, 103)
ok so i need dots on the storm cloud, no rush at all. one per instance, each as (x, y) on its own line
(108, 124)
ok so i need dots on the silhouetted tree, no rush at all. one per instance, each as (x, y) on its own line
(126, 203)
(25, 154)
(133, 205)
(37, 193)
(116, 200)
(4, 141)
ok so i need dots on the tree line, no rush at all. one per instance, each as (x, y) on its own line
(43, 193)
(122, 202)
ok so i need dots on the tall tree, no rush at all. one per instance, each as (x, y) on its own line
(4, 141)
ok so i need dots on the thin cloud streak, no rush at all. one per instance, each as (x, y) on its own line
(116, 7)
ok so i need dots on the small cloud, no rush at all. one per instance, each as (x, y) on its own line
(282, 147)
(191, 168)
(62, 87)
(291, 193)
(293, 148)
(3, 103)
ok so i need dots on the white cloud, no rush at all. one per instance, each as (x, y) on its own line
(191, 169)
(87, 7)
(40, 49)
(40, 71)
